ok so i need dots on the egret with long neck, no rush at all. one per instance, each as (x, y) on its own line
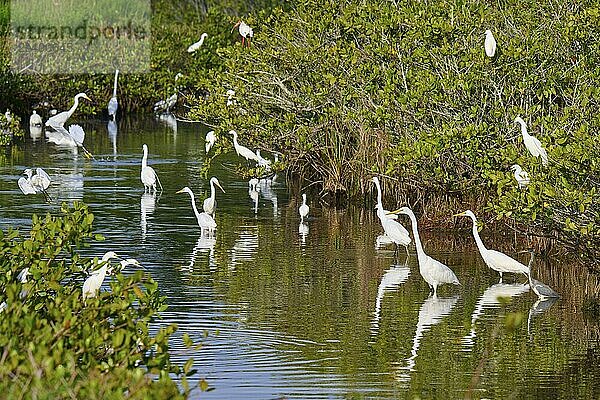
(113, 104)
(60, 118)
(205, 221)
(210, 204)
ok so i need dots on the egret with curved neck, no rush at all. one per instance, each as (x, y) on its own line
(60, 118)
(242, 150)
(205, 221)
(148, 175)
(433, 272)
(496, 260)
(210, 204)
(532, 143)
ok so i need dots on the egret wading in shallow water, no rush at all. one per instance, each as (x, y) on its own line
(375, 180)
(532, 143)
(35, 184)
(60, 118)
(73, 137)
(489, 44)
(113, 104)
(303, 210)
(393, 229)
(242, 150)
(148, 175)
(245, 32)
(205, 221)
(433, 272)
(494, 259)
(542, 290)
(35, 119)
(210, 204)
(210, 140)
(195, 46)
(521, 176)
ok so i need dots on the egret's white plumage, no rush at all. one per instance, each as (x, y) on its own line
(205, 221)
(60, 118)
(496, 260)
(263, 162)
(210, 140)
(242, 150)
(433, 272)
(245, 31)
(210, 203)
(34, 184)
(148, 175)
(303, 209)
(230, 99)
(532, 143)
(113, 104)
(165, 105)
(387, 214)
(490, 44)
(521, 176)
(195, 46)
(35, 119)
(93, 282)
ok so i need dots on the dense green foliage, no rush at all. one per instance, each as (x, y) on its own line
(55, 344)
(10, 128)
(348, 89)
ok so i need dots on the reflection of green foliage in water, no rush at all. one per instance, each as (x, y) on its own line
(55, 343)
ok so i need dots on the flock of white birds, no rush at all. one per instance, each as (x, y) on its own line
(433, 272)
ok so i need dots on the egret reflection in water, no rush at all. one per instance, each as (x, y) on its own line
(491, 299)
(303, 231)
(147, 205)
(205, 244)
(390, 281)
(269, 194)
(431, 313)
(245, 246)
(35, 132)
(169, 120)
(112, 134)
(538, 308)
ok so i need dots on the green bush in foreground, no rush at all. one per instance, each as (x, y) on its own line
(55, 345)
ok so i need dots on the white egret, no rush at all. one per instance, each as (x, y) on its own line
(74, 137)
(205, 221)
(35, 119)
(60, 118)
(542, 290)
(210, 203)
(242, 150)
(303, 209)
(113, 104)
(148, 175)
(263, 162)
(230, 100)
(532, 143)
(433, 272)
(245, 31)
(8, 116)
(490, 44)
(93, 282)
(496, 260)
(164, 106)
(195, 46)
(34, 184)
(521, 176)
(210, 140)
(375, 180)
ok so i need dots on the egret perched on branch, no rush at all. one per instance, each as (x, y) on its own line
(148, 175)
(490, 44)
(245, 31)
(195, 46)
(496, 260)
(210, 140)
(433, 272)
(60, 118)
(34, 184)
(210, 204)
(205, 221)
(93, 283)
(113, 104)
(242, 150)
(533, 144)
(230, 100)
(542, 290)
(303, 210)
(35, 119)
(521, 176)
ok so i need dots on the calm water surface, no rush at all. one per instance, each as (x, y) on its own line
(316, 311)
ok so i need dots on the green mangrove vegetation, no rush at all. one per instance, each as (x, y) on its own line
(56, 345)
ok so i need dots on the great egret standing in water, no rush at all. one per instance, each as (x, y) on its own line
(521, 176)
(148, 175)
(490, 44)
(375, 180)
(433, 272)
(242, 150)
(210, 203)
(496, 260)
(205, 221)
(210, 140)
(532, 143)
(303, 210)
(35, 119)
(245, 31)
(113, 104)
(393, 229)
(195, 46)
(60, 118)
